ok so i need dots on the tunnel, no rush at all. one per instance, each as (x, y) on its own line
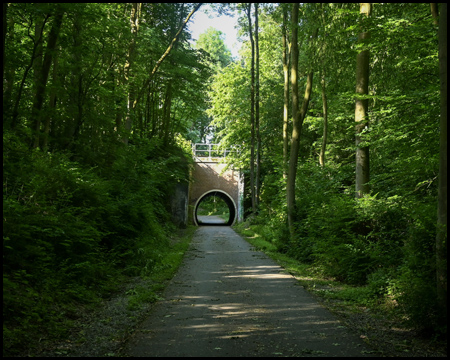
(225, 197)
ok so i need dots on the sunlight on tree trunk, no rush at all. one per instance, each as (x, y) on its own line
(252, 111)
(298, 115)
(325, 122)
(361, 111)
(257, 101)
(285, 93)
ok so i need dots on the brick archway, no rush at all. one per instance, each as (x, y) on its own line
(209, 176)
(225, 197)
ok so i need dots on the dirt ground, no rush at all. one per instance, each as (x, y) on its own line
(229, 300)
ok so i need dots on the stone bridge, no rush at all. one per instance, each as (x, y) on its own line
(209, 178)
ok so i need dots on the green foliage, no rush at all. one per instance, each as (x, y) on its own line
(415, 288)
(71, 232)
(213, 205)
(85, 201)
(211, 41)
(82, 209)
(383, 245)
(140, 295)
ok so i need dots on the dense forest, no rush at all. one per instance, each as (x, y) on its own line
(101, 103)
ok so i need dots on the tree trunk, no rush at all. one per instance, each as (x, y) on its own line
(441, 237)
(129, 75)
(166, 114)
(42, 82)
(297, 119)
(166, 53)
(435, 13)
(285, 94)
(37, 71)
(5, 28)
(257, 129)
(76, 97)
(292, 168)
(361, 111)
(8, 78)
(325, 122)
(252, 112)
(52, 106)
(117, 78)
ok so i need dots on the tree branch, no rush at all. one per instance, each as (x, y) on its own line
(167, 52)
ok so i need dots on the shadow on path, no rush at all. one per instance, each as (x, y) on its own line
(229, 300)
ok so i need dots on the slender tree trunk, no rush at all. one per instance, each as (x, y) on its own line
(435, 13)
(154, 111)
(52, 106)
(361, 111)
(42, 83)
(129, 71)
(298, 115)
(441, 237)
(252, 112)
(166, 114)
(117, 78)
(37, 72)
(257, 127)
(292, 169)
(76, 97)
(166, 53)
(15, 111)
(5, 28)
(285, 95)
(325, 122)
(8, 77)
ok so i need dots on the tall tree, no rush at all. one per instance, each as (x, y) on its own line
(252, 110)
(257, 117)
(285, 90)
(325, 121)
(298, 116)
(212, 42)
(166, 53)
(441, 237)
(361, 109)
(324, 97)
(75, 90)
(129, 71)
(42, 76)
(5, 27)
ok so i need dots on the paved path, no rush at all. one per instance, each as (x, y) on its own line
(211, 219)
(230, 300)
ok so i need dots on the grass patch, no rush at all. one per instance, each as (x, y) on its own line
(166, 268)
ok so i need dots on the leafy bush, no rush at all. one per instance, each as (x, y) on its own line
(416, 281)
(384, 244)
(70, 232)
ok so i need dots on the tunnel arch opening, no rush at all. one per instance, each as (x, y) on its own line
(225, 197)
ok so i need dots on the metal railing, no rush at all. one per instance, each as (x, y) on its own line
(209, 151)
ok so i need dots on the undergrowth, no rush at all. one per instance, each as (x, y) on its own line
(350, 301)
(73, 232)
